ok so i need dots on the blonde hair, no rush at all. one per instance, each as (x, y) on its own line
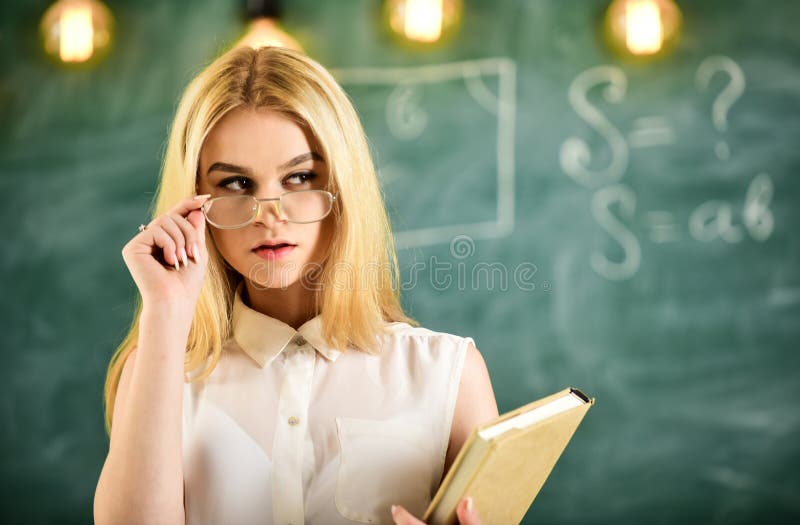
(298, 87)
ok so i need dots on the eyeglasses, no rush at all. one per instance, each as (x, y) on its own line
(236, 211)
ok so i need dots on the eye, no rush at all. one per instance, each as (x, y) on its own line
(302, 177)
(225, 183)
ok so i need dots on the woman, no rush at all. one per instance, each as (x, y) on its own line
(270, 374)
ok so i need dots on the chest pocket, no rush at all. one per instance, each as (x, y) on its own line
(383, 462)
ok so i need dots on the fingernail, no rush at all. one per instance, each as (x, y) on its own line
(183, 256)
(177, 267)
(469, 504)
(198, 197)
(394, 508)
(195, 251)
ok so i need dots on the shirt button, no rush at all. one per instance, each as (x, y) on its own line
(300, 340)
(294, 420)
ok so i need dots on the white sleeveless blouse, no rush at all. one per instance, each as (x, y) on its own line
(287, 430)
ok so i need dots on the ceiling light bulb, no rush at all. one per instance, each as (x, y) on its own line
(76, 31)
(266, 32)
(262, 26)
(641, 28)
(423, 21)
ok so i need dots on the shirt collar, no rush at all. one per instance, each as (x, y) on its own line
(263, 337)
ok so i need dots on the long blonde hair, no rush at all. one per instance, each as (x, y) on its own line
(298, 87)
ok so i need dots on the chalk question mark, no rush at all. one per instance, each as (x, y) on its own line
(726, 98)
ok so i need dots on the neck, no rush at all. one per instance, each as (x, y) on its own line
(293, 305)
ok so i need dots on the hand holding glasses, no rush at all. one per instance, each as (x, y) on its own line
(236, 211)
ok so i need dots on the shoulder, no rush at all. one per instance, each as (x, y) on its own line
(470, 371)
(419, 345)
(400, 330)
(445, 346)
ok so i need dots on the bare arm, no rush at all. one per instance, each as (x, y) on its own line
(142, 478)
(475, 403)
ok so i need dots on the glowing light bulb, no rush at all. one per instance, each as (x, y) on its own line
(266, 32)
(644, 33)
(423, 21)
(263, 28)
(642, 28)
(77, 31)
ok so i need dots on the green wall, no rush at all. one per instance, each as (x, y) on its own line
(577, 215)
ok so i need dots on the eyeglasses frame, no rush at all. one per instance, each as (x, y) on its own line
(257, 212)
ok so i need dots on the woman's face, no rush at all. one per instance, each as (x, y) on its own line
(264, 154)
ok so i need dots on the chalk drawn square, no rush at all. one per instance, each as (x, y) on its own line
(442, 136)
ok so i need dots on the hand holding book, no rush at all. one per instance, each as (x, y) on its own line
(505, 462)
(467, 515)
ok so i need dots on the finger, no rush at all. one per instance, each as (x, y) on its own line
(402, 517)
(198, 221)
(164, 240)
(167, 222)
(188, 231)
(188, 204)
(465, 515)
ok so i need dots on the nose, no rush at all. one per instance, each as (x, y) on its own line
(268, 210)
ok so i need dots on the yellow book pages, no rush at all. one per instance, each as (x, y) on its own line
(504, 474)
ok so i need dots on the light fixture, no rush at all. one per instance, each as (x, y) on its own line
(263, 28)
(423, 21)
(77, 31)
(642, 28)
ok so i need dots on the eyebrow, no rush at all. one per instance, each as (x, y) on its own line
(233, 168)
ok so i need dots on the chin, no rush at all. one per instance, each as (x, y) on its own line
(264, 274)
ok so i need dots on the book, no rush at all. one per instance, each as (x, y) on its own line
(505, 462)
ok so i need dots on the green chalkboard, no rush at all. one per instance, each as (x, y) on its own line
(628, 229)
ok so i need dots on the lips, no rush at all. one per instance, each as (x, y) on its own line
(273, 244)
(274, 252)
